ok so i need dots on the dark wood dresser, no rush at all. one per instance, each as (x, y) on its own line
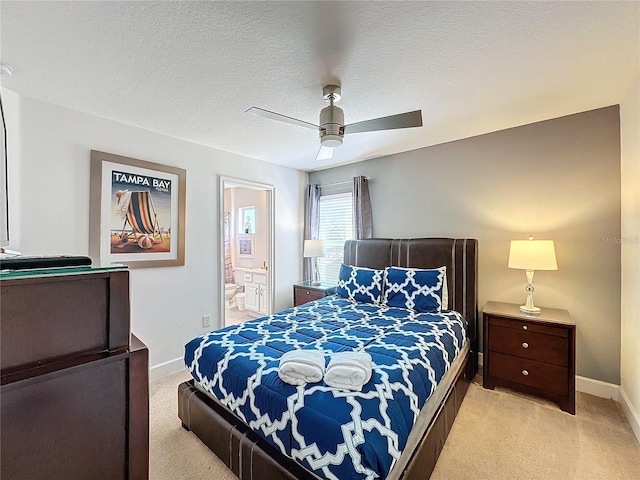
(304, 292)
(75, 382)
(533, 354)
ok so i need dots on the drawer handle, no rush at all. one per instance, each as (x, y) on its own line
(525, 373)
(524, 327)
(308, 292)
(525, 345)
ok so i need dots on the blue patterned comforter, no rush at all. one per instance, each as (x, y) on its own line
(337, 434)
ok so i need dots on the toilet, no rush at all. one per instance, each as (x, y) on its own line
(231, 289)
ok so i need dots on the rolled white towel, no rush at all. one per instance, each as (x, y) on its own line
(298, 367)
(350, 370)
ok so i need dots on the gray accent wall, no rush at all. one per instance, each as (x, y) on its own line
(558, 179)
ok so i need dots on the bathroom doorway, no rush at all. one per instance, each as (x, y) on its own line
(246, 213)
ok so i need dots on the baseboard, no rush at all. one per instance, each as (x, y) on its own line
(630, 413)
(598, 388)
(156, 372)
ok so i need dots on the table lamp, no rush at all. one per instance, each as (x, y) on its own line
(530, 255)
(314, 249)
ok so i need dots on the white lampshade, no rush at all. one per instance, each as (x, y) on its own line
(313, 248)
(532, 255)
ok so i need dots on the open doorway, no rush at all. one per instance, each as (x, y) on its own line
(246, 250)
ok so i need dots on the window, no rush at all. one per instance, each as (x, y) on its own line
(335, 227)
(247, 220)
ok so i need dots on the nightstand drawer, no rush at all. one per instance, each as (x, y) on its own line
(526, 326)
(304, 296)
(551, 378)
(527, 344)
(307, 291)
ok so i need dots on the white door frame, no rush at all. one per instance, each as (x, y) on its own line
(270, 191)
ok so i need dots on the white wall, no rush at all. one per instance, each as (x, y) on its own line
(558, 179)
(630, 331)
(49, 193)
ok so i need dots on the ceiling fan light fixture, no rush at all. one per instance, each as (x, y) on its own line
(329, 140)
(331, 126)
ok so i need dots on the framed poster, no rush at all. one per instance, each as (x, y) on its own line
(137, 212)
(245, 246)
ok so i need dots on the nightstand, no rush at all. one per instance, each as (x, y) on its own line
(534, 354)
(304, 292)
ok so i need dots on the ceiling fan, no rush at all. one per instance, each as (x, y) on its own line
(331, 124)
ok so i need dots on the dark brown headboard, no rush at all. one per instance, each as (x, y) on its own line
(459, 255)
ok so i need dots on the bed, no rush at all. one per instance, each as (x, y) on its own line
(400, 439)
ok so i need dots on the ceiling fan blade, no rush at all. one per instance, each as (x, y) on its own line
(259, 112)
(401, 120)
(325, 153)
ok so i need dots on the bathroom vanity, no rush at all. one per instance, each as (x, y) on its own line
(256, 291)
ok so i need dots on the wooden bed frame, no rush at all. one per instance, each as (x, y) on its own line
(252, 458)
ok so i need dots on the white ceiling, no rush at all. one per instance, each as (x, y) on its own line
(190, 69)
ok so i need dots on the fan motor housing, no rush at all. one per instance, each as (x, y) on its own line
(331, 126)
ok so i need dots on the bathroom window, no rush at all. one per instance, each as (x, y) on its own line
(247, 220)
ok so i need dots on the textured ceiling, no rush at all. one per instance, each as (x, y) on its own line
(191, 69)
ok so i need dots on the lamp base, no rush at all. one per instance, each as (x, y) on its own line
(530, 310)
(315, 281)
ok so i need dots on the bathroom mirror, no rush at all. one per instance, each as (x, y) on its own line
(247, 220)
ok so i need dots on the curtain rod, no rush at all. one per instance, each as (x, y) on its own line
(340, 183)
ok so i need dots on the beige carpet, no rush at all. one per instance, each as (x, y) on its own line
(497, 435)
